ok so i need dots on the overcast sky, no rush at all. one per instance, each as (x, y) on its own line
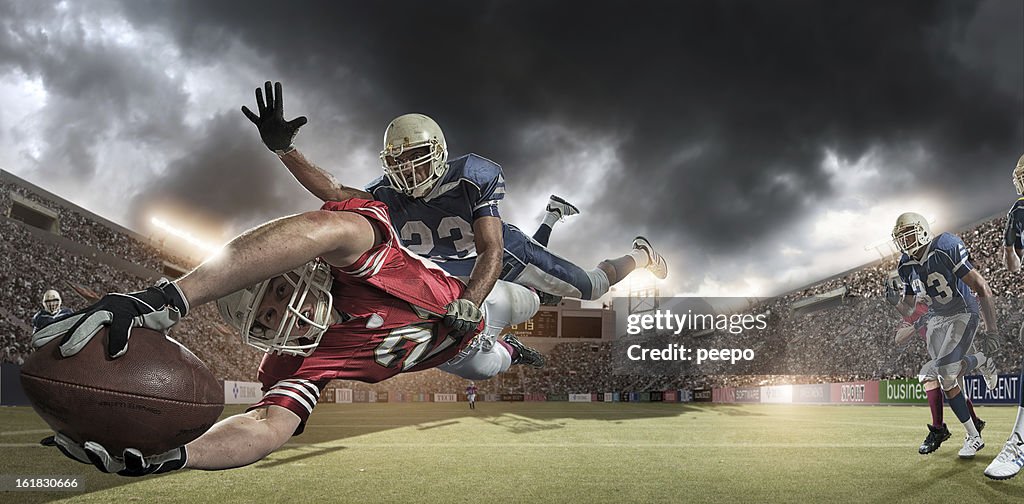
(760, 145)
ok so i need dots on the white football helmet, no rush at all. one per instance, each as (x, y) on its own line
(911, 232)
(51, 301)
(409, 132)
(304, 320)
(1018, 176)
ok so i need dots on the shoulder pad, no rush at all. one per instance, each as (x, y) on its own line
(378, 183)
(477, 169)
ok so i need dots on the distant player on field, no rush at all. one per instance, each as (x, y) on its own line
(52, 310)
(471, 395)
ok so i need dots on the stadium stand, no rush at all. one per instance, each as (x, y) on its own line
(86, 256)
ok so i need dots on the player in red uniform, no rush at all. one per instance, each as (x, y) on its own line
(331, 294)
(471, 395)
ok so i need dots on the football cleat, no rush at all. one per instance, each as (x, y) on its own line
(657, 264)
(1009, 461)
(527, 356)
(561, 207)
(936, 435)
(971, 446)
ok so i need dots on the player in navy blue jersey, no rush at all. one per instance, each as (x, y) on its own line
(447, 210)
(51, 311)
(940, 270)
(1011, 458)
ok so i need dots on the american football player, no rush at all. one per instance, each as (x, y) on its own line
(940, 270)
(1011, 458)
(328, 294)
(52, 310)
(916, 323)
(1013, 236)
(447, 209)
(471, 395)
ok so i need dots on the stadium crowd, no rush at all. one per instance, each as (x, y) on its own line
(851, 340)
(29, 265)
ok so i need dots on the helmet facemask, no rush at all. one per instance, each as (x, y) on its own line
(300, 302)
(414, 155)
(51, 301)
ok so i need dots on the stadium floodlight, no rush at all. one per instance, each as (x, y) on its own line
(186, 236)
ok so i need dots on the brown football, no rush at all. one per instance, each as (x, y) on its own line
(156, 397)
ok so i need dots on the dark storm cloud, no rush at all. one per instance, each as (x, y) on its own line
(99, 92)
(241, 186)
(724, 109)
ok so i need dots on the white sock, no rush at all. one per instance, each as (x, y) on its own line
(1018, 426)
(971, 429)
(641, 258)
(551, 218)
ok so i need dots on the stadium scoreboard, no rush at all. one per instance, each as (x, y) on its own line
(556, 324)
(543, 325)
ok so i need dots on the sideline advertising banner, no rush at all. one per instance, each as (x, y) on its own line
(1006, 390)
(813, 393)
(238, 392)
(855, 393)
(903, 391)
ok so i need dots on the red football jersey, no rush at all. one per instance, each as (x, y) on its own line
(394, 301)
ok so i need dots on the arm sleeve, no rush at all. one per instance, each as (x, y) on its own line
(296, 395)
(371, 262)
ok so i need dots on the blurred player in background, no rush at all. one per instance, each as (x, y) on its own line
(329, 295)
(448, 210)
(471, 395)
(1011, 458)
(940, 270)
(52, 310)
(916, 323)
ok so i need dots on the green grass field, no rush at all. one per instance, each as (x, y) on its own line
(563, 452)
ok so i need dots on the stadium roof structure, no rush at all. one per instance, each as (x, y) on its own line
(8, 177)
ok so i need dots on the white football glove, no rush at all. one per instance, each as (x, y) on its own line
(131, 463)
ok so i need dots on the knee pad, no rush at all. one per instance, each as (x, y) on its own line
(948, 375)
(928, 372)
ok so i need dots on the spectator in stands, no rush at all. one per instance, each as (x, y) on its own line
(52, 310)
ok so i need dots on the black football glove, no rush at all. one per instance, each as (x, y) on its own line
(277, 134)
(131, 463)
(894, 290)
(462, 316)
(549, 299)
(158, 308)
